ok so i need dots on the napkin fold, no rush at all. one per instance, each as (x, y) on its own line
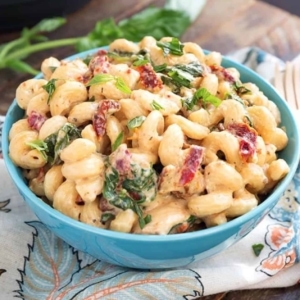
(35, 264)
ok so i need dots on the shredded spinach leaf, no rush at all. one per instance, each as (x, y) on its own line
(50, 87)
(174, 47)
(59, 140)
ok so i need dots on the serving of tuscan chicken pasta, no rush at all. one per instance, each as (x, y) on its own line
(155, 137)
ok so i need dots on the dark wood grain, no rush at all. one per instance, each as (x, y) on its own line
(222, 26)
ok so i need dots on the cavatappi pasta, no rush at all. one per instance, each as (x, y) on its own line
(151, 138)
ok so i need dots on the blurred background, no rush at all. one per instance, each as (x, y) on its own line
(15, 14)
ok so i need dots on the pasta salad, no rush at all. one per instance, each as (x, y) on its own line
(154, 137)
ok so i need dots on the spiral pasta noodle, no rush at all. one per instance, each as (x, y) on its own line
(155, 137)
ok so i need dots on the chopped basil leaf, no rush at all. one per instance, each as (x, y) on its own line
(87, 59)
(100, 78)
(202, 95)
(174, 47)
(156, 106)
(240, 89)
(180, 78)
(60, 140)
(188, 103)
(144, 221)
(118, 141)
(50, 88)
(52, 68)
(194, 68)
(120, 57)
(141, 59)
(39, 145)
(107, 217)
(206, 97)
(122, 86)
(136, 122)
(160, 68)
(169, 82)
(190, 221)
(257, 248)
(235, 97)
(103, 78)
(129, 193)
(140, 62)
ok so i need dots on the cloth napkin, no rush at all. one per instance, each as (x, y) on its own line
(35, 264)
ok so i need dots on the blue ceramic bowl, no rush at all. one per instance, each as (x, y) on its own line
(156, 252)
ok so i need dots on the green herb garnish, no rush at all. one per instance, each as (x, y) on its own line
(193, 68)
(206, 97)
(203, 96)
(103, 78)
(156, 106)
(190, 221)
(136, 122)
(257, 248)
(160, 68)
(180, 78)
(122, 86)
(174, 47)
(130, 193)
(56, 142)
(39, 145)
(240, 89)
(118, 141)
(107, 217)
(50, 88)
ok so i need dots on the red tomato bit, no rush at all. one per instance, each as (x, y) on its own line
(105, 107)
(36, 120)
(148, 78)
(191, 164)
(247, 138)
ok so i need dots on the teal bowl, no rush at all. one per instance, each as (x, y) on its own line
(156, 251)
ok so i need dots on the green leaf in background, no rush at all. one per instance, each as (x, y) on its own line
(21, 66)
(171, 20)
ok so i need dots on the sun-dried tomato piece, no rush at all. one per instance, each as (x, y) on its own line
(149, 79)
(247, 139)
(36, 120)
(222, 73)
(191, 164)
(99, 64)
(105, 107)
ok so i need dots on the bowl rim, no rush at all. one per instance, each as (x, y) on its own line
(236, 222)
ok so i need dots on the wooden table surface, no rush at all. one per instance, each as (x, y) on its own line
(222, 26)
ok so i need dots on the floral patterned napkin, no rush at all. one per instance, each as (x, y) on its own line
(35, 264)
